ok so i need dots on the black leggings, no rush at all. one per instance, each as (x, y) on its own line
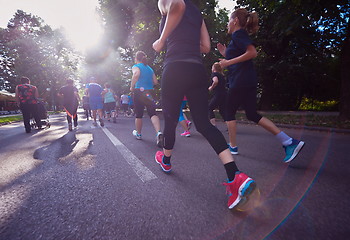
(142, 100)
(217, 101)
(72, 109)
(181, 79)
(242, 97)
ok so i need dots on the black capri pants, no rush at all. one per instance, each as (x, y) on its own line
(245, 98)
(217, 101)
(144, 99)
(181, 79)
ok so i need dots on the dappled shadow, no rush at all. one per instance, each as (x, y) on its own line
(62, 158)
(67, 144)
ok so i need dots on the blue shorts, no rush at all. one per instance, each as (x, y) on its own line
(96, 103)
(181, 117)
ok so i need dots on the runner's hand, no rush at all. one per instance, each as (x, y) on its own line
(158, 45)
(224, 63)
(221, 48)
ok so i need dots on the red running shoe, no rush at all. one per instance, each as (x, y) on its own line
(159, 159)
(240, 187)
(186, 134)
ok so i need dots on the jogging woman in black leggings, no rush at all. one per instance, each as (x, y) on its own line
(184, 32)
(243, 81)
(218, 87)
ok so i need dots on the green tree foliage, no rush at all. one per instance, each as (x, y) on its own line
(134, 25)
(31, 48)
(299, 43)
(345, 77)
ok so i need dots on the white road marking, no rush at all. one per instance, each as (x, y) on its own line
(140, 169)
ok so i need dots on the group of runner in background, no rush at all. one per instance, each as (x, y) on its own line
(184, 34)
(113, 105)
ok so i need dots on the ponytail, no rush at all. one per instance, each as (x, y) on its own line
(248, 21)
(252, 25)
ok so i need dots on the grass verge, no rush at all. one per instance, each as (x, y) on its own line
(303, 120)
(4, 120)
(290, 119)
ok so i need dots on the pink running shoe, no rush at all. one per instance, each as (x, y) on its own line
(159, 159)
(186, 134)
(240, 187)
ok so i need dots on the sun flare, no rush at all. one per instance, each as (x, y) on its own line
(79, 19)
(85, 34)
(82, 24)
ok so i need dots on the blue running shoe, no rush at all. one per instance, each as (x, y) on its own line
(233, 150)
(137, 135)
(292, 150)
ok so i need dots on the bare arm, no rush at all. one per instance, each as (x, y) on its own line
(36, 93)
(174, 9)
(205, 39)
(103, 92)
(250, 53)
(134, 78)
(155, 80)
(17, 96)
(77, 96)
(214, 84)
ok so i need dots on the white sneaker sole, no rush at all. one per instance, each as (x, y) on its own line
(135, 135)
(161, 166)
(239, 198)
(296, 151)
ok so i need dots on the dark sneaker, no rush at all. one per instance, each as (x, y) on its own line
(233, 150)
(160, 139)
(159, 159)
(239, 188)
(70, 127)
(101, 122)
(75, 124)
(292, 150)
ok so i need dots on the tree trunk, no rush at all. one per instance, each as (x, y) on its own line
(345, 78)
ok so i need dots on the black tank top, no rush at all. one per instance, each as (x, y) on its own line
(183, 44)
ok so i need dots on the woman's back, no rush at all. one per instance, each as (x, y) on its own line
(183, 44)
(145, 80)
(109, 96)
(26, 93)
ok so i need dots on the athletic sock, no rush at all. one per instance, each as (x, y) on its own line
(231, 169)
(166, 160)
(284, 139)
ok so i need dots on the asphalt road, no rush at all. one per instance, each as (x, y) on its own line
(102, 183)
